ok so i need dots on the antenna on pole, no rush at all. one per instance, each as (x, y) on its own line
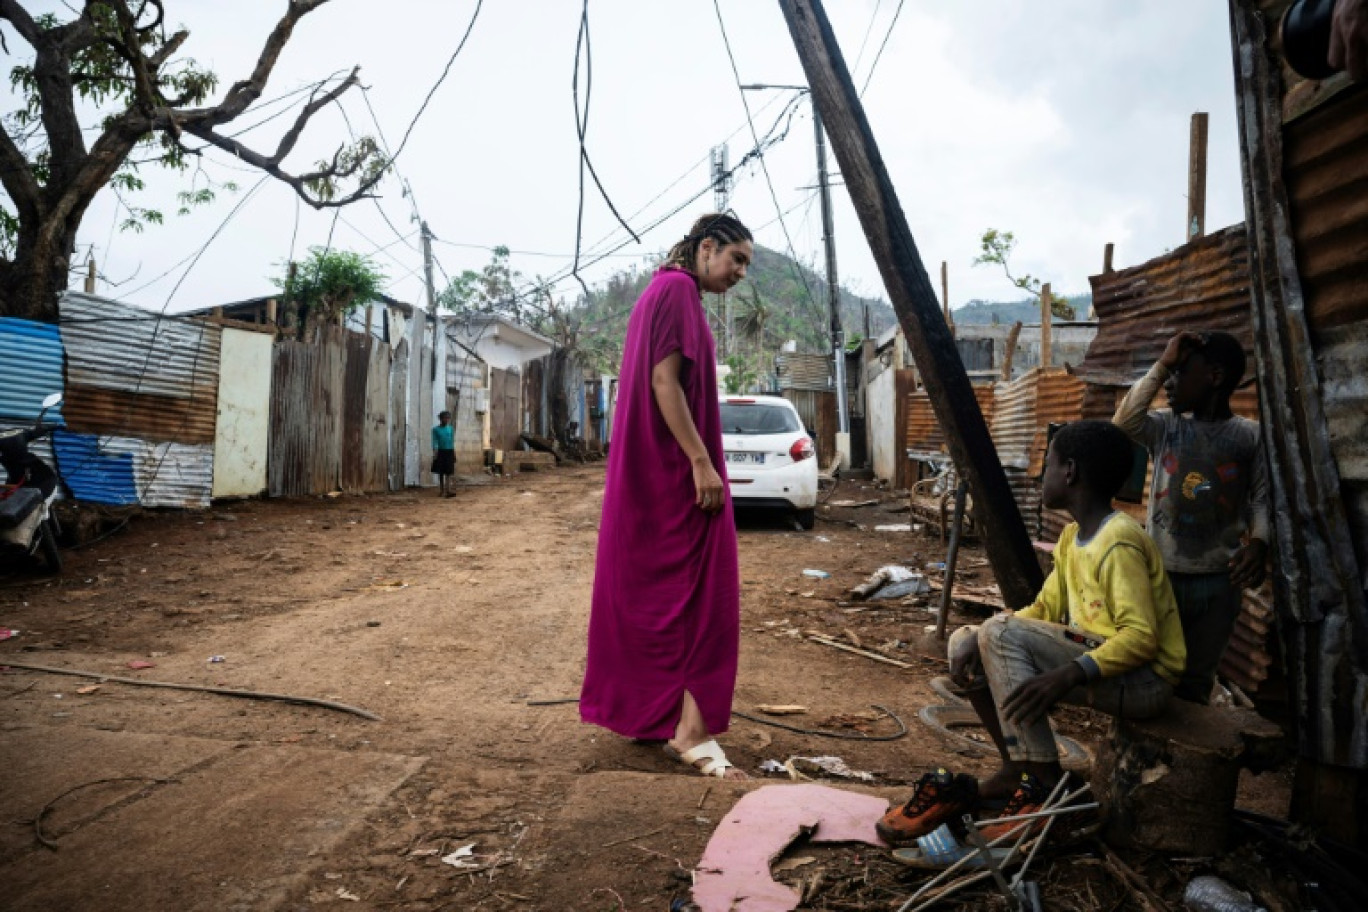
(721, 178)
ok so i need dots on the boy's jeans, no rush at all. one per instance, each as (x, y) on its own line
(1013, 650)
(1208, 605)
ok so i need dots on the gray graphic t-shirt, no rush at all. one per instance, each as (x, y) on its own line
(1209, 484)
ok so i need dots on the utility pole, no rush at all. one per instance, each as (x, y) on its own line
(833, 295)
(914, 299)
(416, 416)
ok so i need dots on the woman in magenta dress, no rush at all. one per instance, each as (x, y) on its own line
(665, 626)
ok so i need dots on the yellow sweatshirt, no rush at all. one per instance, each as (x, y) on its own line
(1114, 588)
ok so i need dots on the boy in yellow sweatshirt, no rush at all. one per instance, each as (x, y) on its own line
(1103, 632)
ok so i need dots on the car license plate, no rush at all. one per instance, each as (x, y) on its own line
(746, 458)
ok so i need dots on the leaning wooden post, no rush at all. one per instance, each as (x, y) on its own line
(914, 299)
(945, 295)
(1046, 327)
(1197, 175)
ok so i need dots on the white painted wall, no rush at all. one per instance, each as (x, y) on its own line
(885, 443)
(243, 424)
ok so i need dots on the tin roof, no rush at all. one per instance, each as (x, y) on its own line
(30, 369)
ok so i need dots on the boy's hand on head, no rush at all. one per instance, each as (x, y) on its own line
(1178, 348)
(1033, 699)
(1248, 565)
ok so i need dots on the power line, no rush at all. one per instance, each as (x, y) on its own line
(726, 42)
(433, 91)
(582, 128)
(864, 41)
(879, 56)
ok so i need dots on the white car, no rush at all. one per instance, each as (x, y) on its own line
(771, 461)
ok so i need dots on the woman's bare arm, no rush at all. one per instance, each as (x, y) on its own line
(674, 408)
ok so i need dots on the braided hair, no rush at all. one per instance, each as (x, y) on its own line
(722, 227)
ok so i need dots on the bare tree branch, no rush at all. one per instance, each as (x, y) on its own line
(287, 142)
(19, 18)
(16, 174)
(300, 182)
(242, 94)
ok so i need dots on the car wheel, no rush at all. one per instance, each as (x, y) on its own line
(806, 518)
(51, 553)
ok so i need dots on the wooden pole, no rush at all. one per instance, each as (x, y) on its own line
(1046, 330)
(90, 276)
(952, 559)
(914, 299)
(1107, 259)
(945, 291)
(1197, 175)
(271, 312)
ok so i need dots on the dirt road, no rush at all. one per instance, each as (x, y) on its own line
(444, 618)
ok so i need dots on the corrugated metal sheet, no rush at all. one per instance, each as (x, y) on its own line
(1325, 165)
(924, 433)
(30, 369)
(127, 470)
(134, 373)
(818, 412)
(1203, 285)
(93, 473)
(355, 366)
(375, 469)
(398, 413)
(306, 416)
(804, 371)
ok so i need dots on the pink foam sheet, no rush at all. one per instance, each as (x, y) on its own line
(734, 873)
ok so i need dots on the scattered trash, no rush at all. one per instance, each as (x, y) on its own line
(88, 689)
(894, 527)
(915, 586)
(343, 892)
(816, 574)
(936, 566)
(216, 659)
(7, 632)
(824, 540)
(773, 709)
(808, 594)
(139, 664)
(853, 504)
(890, 573)
(1212, 894)
(792, 864)
(808, 767)
(772, 766)
(372, 623)
(734, 872)
(462, 857)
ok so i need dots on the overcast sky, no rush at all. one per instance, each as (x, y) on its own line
(1065, 122)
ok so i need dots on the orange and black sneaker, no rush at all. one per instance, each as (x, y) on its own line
(940, 797)
(1028, 798)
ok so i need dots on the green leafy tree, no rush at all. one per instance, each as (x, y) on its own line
(741, 378)
(115, 64)
(997, 247)
(328, 284)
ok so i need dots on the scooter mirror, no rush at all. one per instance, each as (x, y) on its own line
(52, 400)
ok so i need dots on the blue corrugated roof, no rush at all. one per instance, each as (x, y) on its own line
(30, 368)
(92, 475)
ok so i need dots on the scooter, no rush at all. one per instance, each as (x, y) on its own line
(26, 517)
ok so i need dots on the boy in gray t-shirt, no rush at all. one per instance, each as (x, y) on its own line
(1209, 491)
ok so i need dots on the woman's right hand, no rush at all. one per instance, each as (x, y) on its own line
(708, 493)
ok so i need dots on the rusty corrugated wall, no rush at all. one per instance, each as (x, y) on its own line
(306, 416)
(924, 434)
(135, 373)
(1307, 205)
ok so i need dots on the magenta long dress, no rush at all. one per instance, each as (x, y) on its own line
(667, 593)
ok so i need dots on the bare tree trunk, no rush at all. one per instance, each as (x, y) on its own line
(31, 283)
